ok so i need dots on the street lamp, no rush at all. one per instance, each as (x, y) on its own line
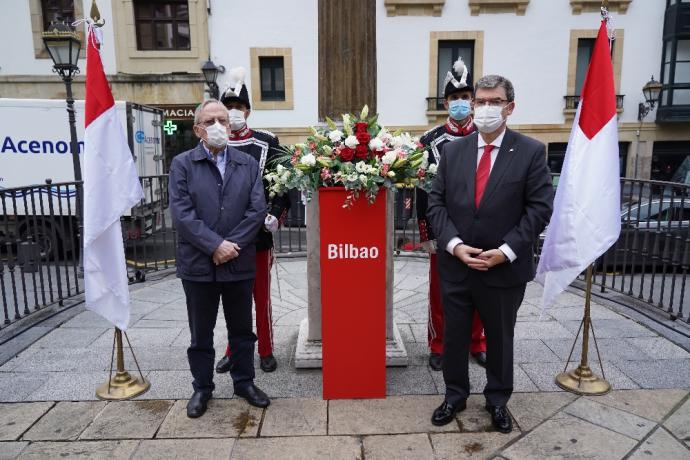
(651, 91)
(63, 45)
(210, 71)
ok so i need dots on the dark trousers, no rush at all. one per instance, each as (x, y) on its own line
(202, 311)
(497, 308)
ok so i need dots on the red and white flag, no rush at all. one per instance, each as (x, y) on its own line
(586, 219)
(111, 187)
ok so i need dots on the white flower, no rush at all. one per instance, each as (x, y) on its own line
(391, 174)
(433, 168)
(336, 135)
(363, 179)
(360, 167)
(389, 157)
(351, 142)
(372, 170)
(280, 169)
(351, 177)
(309, 159)
(376, 144)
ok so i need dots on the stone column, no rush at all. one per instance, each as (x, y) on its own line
(308, 352)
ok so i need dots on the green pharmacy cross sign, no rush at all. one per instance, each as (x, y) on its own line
(169, 127)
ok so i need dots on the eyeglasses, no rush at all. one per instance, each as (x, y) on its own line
(492, 102)
(222, 121)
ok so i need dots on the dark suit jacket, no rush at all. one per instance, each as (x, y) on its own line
(207, 209)
(515, 207)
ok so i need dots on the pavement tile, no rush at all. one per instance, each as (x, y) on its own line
(544, 374)
(17, 386)
(16, 418)
(610, 349)
(141, 338)
(668, 373)
(171, 385)
(576, 313)
(521, 381)
(105, 450)
(661, 445)
(530, 409)
(613, 328)
(161, 358)
(650, 404)
(409, 380)
(609, 417)
(295, 417)
(169, 312)
(164, 449)
(542, 330)
(64, 337)
(11, 450)
(153, 295)
(469, 445)
(63, 360)
(224, 418)
(65, 421)
(70, 386)
(19, 344)
(287, 382)
(533, 351)
(420, 333)
(396, 414)
(571, 438)
(159, 323)
(659, 348)
(679, 423)
(406, 446)
(89, 319)
(128, 420)
(528, 312)
(298, 448)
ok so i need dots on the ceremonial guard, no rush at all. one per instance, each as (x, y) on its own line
(264, 147)
(458, 93)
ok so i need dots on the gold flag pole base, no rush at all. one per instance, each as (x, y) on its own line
(583, 381)
(123, 385)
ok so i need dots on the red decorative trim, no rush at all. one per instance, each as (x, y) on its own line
(454, 128)
(242, 134)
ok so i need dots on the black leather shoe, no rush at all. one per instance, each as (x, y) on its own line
(268, 363)
(480, 357)
(224, 365)
(500, 418)
(253, 395)
(435, 361)
(445, 413)
(197, 404)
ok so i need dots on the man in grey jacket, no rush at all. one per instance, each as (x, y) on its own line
(218, 206)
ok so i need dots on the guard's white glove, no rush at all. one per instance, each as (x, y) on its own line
(271, 223)
(429, 246)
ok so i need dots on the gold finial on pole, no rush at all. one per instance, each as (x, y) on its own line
(582, 380)
(98, 21)
(123, 385)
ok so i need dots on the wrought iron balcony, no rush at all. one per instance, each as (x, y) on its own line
(571, 102)
(434, 104)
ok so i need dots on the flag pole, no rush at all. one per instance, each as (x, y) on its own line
(582, 380)
(123, 385)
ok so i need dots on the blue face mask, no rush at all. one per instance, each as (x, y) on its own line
(459, 109)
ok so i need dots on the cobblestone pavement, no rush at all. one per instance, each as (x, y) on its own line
(48, 396)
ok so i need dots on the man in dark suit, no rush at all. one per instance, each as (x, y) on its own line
(491, 200)
(217, 204)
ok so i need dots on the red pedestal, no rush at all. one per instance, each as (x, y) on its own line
(353, 295)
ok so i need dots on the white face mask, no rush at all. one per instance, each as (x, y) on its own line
(488, 118)
(237, 120)
(216, 135)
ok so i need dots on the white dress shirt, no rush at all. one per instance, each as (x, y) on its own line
(504, 248)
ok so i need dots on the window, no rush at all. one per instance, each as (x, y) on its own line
(448, 53)
(162, 24)
(556, 156)
(676, 71)
(674, 105)
(57, 11)
(671, 161)
(272, 75)
(585, 46)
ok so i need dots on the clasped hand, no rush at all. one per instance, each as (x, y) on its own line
(478, 259)
(226, 251)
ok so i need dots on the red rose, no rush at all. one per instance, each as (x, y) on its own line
(379, 153)
(363, 137)
(347, 154)
(361, 152)
(361, 127)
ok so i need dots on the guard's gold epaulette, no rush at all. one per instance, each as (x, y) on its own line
(265, 131)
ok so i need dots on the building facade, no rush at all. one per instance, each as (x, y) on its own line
(308, 59)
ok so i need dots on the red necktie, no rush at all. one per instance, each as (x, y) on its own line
(482, 176)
